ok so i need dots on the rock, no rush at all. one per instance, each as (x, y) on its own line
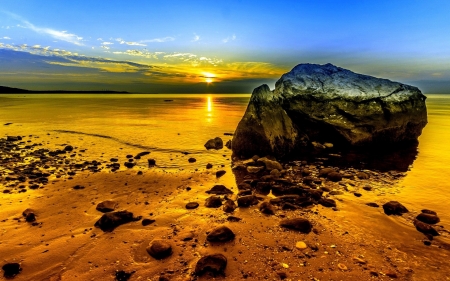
(113, 160)
(325, 171)
(362, 175)
(109, 221)
(220, 173)
(68, 148)
(78, 186)
(254, 169)
(140, 154)
(123, 276)
(159, 249)
(215, 143)
(394, 208)
(299, 224)
(229, 206)
(151, 162)
(220, 234)
(267, 208)
(429, 212)
(372, 204)
(13, 138)
(247, 201)
(334, 176)
(428, 218)
(209, 166)
(11, 269)
(29, 215)
(192, 160)
(129, 165)
(233, 219)
(228, 144)
(146, 222)
(327, 202)
(213, 202)
(425, 228)
(301, 245)
(328, 104)
(192, 205)
(357, 194)
(368, 188)
(219, 190)
(269, 164)
(106, 206)
(336, 192)
(214, 264)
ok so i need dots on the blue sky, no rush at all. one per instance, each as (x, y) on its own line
(204, 46)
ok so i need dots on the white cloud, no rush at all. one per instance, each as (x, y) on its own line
(121, 41)
(6, 38)
(105, 47)
(228, 39)
(196, 38)
(99, 39)
(107, 43)
(159, 40)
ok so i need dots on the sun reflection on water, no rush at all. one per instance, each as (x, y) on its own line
(209, 108)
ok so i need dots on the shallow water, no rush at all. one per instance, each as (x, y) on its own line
(116, 125)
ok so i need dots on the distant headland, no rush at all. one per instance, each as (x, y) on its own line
(9, 90)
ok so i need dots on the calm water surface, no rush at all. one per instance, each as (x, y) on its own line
(116, 125)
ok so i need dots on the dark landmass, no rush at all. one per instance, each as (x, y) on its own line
(8, 90)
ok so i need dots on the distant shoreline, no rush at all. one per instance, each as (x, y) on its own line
(8, 90)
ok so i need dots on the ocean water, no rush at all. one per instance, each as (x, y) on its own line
(170, 125)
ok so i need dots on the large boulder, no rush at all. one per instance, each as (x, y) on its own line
(328, 104)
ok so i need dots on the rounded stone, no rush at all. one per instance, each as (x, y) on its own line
(220, 234)
(301, 245)
(192, 205)
(159, 249)
(214, 264)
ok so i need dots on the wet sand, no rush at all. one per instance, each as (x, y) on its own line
(352, 242)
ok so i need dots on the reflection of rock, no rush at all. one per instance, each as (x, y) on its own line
(215, 143)
(329, 105)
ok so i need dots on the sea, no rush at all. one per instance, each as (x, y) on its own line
(175, 127)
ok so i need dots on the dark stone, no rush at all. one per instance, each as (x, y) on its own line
(267, 208)
(357, 194)
(30, 215)
(78, 186)
(228, 144)
(106, 206)
(109, 221)
(213, 202)
(428, 218)
(229, 206)
(429, 212)
(113, 159)
(367, 188)
(263, 187)
(140, 154)
(233, 219)
(123, 276)
(362, 175)
(68, 148)
(299, 224)
(215, 143)
(219, 190)
(129, 165)
(11, 269)
(192, 205)
(247, 201)
(220, 173)
(327, 202)
(220, 234)
(394, 208)
(13, 138)
(425, 228)
(288, 206)
(151, 162)
(213, 264)
(129, 156)
(192, 160)
(334, 176)
(146, 222)
(159, 249)
(325, 171)
(372, 204)
(209, 166)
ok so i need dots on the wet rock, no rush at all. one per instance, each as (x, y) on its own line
(213, 264)
(30, 215)
(428, 218)
(334, 176)
(151, 162)
(233, 219)
(213, 202)
(362, 175)
(336, 192)
(219, 190)
(220, 173)
(220, 234)
(267, 208)
(129, 165)
(327, 202)
(299, 224)
(215, 143)
(159, 249)
(269, 164)
(78, 186)
(13, 138)
(357, 194)
(429, 212)
(209, 166)
(192, 205)
(229, 206)
(123, 276)
(425, 228)
(325, 171)
(254, 169)
(228, 144)
(140, 154)
(11, 269)
(192, 160)
(146, 222)
(372, 204)
(247, 201)
(68, 148)
(109, 221)
(394, 208)
(106, 206)
(368, 188)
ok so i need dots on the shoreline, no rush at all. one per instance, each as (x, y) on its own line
(353, 242)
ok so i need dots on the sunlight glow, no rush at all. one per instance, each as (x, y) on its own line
(209, 104)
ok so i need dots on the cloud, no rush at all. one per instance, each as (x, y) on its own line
(6, 38)
(196, 38)
(107, 43)
(121, 41)
(159, 40)
(232, 38)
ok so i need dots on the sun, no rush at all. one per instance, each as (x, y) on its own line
(209, 77)
(208, 80)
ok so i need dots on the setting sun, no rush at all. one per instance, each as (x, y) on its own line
(208, 80)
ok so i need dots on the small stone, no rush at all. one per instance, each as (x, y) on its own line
(324, 172)
(192, 205)
(109, 221)
(78, 186)
(229, 206)
(220, 173)
(342, 266)
(428, 218)
(11, 269)
(394, 208)
(299, 224)
(146, 222)
(123, 276)
(247, 201)
(254, 169)
(334, 176)
(151, 162)
(214, 264)
(282, 275)
(192, 160)
(216, 143)
(327, 202)
(359, 260)
(159, 249)
(267, 208)
(29, 215)
(301, 245)
(372, 204)
(391, 274)
(357, 194)
(233, 219)
(106, 206)
(368, 188)
(362, 175)
(425, 228)
(427, 242)
(220, 234)
(213, 202)
(68, 148)
(209, 166)
(219, 190)
(129, 165)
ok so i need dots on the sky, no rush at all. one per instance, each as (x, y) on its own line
(218, 46)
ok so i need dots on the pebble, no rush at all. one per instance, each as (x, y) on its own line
(192, 205)
(220, 234)
(213, 202)
(342, 266)
(394, 208)
(299, 224)
(159, 249)
(106, 206)
(214, 264)
(301, 245)
(11, 269)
